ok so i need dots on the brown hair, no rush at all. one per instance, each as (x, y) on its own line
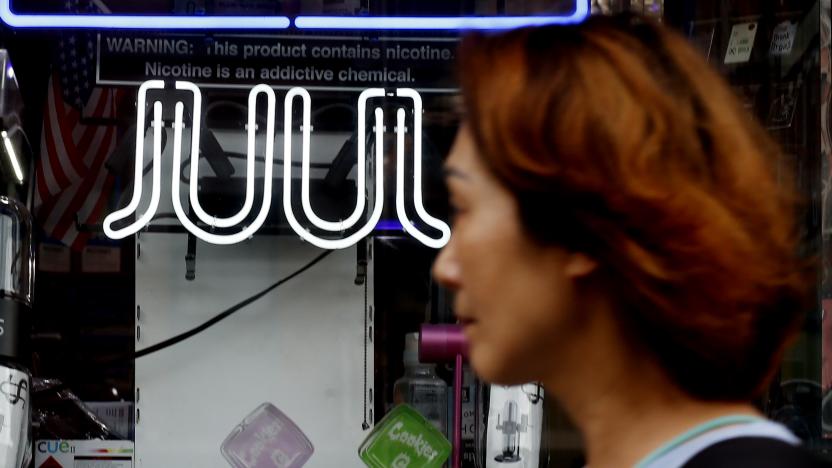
(618, 140)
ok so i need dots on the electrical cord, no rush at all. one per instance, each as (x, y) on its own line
(174, 340)
(214, 320)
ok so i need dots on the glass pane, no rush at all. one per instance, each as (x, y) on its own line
(777, 75)
(325, 354)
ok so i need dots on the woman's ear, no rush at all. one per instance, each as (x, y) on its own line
(579, 265)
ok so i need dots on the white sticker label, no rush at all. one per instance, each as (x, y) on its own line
(741, 43)
(782, 41)
(14, 405)
(14, 416)
(117, 415)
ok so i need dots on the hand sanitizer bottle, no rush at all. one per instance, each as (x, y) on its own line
(421, 388)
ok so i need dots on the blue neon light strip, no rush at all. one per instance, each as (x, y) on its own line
(159, 22)
(441, 22)
(389, 225)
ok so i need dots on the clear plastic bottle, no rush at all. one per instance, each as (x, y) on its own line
(421, 388)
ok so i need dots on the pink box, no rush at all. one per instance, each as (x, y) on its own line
(267, 438)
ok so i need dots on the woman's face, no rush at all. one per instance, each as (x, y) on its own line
(515, 298)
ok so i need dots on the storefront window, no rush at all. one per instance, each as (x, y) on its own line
(256, 276)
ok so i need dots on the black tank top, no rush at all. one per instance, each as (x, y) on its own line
(755, 452)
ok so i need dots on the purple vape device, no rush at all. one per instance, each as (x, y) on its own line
(445, 343)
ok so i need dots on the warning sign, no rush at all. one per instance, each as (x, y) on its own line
(324, 63)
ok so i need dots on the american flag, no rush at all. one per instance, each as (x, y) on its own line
(78, 135)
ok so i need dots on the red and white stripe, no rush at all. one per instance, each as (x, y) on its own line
(71, 179)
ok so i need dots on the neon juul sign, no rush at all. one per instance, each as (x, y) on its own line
(216, 223)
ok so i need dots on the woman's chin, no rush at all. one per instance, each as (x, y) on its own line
(491, 369)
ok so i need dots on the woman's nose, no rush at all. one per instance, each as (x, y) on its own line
(446, 269)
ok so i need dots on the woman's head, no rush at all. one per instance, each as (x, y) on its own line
(608, 159)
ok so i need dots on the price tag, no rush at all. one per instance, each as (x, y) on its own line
(54, 258)
(100, 259)
(782, 41)
(741, 43)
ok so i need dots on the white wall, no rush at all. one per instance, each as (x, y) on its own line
(300, 348)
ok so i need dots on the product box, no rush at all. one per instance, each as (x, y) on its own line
(267, 438)
(404, 439)
(83, 454)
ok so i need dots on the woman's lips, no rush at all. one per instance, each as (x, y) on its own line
(466, 321)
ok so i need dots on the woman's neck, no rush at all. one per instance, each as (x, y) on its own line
(623, 403)
(625, 423)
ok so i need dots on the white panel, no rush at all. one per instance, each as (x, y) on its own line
(300, 348)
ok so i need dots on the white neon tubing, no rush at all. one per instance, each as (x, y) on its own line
(442, 22)
(365, 230)
(10, 152)
(351, 221)
(193, 186)
(131, 207)
(417, 175)
(155, 22)
(248, 231)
